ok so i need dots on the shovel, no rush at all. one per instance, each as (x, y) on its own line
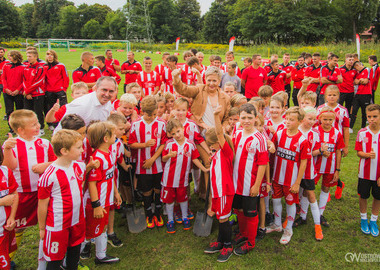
(136, 218)
(203, 222)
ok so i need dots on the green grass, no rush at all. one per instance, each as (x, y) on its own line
(155, 249)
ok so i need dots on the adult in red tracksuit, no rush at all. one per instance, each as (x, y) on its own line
(12, 81)
(56, 81)
(346, 88)
(33, 84)
(87, 73)
(100, 62)
(330, 75)
(313, 72)
(298, 74)
(374, 74)
(3, 61)
(276, 77)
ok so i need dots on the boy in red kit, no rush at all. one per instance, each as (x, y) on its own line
(114, 64)
(130, 68)
(298, 74)
(60, 206)
(249, 168)
(27, 156)
(346, 88)
(374, 74)
(330, 74)
(178, 155)
(287, 67)
(86, 72)
(161, 67)
(313, 73)
(367, 147)
(100, 192)
(221, 186)
(327, 163)
(276, 78)
(8, 208)
(148, 79)
(292, 152)
(106, 70)
(148, 137)
(229, 58)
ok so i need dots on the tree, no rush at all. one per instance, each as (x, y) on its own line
(114, 25)
(189, 15)
(25, 13)
(93, 30)
(97, 12)
(215, 22)
(69, 23)
(9, 20)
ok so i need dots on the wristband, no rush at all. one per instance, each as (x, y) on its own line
(95, 204)
(320, 150)
(269, 183)
(338, 170)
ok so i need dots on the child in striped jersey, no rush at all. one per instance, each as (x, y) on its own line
(178, 155)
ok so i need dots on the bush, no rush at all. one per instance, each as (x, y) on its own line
(11, 44)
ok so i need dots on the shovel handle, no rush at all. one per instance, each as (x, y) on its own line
(207, 194)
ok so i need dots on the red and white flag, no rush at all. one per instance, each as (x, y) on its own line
(358, 45)
(232, 42)
(177, 43)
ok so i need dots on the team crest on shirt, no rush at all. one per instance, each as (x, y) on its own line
(78, 173)
(333, 137)
(249, 147)
(289, 197)
(92, 75)
(40, 144)
(156, 133)
(261, 75)
(365, 140)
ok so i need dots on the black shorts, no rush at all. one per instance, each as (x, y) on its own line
(308, 184)
(250, 205)
(125, 176)
(147, 182)
(365, 186)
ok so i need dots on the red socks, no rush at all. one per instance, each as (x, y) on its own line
(252, 225)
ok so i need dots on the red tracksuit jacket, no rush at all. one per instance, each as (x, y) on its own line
(56, 77)
(34, 80)
(12, 76)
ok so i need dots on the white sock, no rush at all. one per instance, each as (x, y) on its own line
(323, 197)
(170, 211)
(41, 260)
(83, 244)
(304, 207)
(373, 218)
(266, 199)
(291, 211)
(277, 209)
(363, 215)
(101, 246)
(64, 264)
(315, 212)
(184, 209)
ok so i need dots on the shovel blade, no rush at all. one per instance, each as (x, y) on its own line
(202, 224)
(136, 220)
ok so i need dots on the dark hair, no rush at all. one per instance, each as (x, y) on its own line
(248, 108)
(273, 62)
(100, 58)
(1, 156)
(301, 56)
(172, 124)
(147, 58)
(373, 57)
(308, 55)
(72, 122)
(192, 61)
(172, 58)
(316, 54)
(333, 56)
(2, 49)
(194, 51)
(218, 58)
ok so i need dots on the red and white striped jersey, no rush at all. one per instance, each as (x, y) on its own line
(142, 132)
(221, 172)
(87, 150)
(334, 141)
(117, 151)
(204, 68)
(237, 69)
(63, 186)
(365, 141)
(8, 185)
(168, 80)
(313, 138)
(277, 127)
(160, 68)
(148, 81)
(104, 177)
(342, 118)
(251, 152)
(28, 154)
(192, 132)
(188, 77)
(289, 153)
(177, 169)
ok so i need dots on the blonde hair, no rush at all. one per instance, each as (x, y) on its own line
(97, 131)
(212, 138)
(260, 118)
(79, 85)
(230, 84)
(235, 99)
(283, 95)
(310, 95)
(172, 124)
(129, 87)
(64, 138)
(296, 110)
(309, 109)
(326, 109)
(117, 118)
(19, 118)
(160, 99)
(168, 96)
(257, 102)
(129, 99)
(181, 101)
(332, 87)
(213, 71)
(149, 104)
(85, 54)
(265, 91)
(233, 111)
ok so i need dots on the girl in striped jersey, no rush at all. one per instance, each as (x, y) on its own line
(222, 186)
(327, 163)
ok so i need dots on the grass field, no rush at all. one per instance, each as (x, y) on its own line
(155, 249)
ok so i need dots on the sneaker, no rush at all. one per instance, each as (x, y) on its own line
(339, 190)
(190, 215)
(13, 265)
(214, 247)
(261, 234)
(373, 228)
(244, 249)
(232, 219)
(158, 221)
(350, 130)
(318, 232)
(42, 133)
(274, 228)
(86, 252)
(82, 266)
(107, 260)
(324, 222)
(225, 254)
(364, 226)
(178, 217)
(170, 227)
(239, 239)
(298, 222)
(269, 219)
(285, 223)
(287, 235)
(186, 224)
(150, 223)
(114, 241)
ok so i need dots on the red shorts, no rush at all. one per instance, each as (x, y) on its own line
(170, 194)
(327, 179)
(280, 191)
(7, 245)
(222, 206)
(263, 189)
(26, 214)
(56, 243)
(95, 226)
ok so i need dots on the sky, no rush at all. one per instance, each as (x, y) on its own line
(115, 4)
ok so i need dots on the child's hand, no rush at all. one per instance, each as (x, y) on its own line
(306, 81)
(194, 70)
(372, 154)
(93, 164)
(118, 199)
(127, 154)
(345, 151)
(269, 188)
(11, 224)
(176, 72)
(10, 142)
(254, 191)
(271, 129)
(7, 200)
(218, 110)
(295, 188)
(147, 164)
(127, 126)
(205, 170)
(99, 212)
(210, 212)
(42, 234)
(173, 154)
(38, 168)
(204, 126)
(55, 106)
(150, 143)
(271, 147)
(326, 154)
(29, 97)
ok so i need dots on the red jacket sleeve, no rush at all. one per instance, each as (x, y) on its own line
(65, 76)
(4, 77)
(38, 81)
(76, 77)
